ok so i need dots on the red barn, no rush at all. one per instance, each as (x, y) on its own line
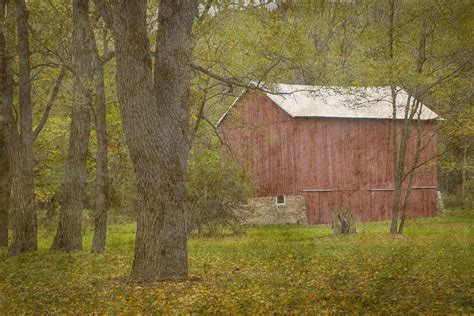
(313, 149)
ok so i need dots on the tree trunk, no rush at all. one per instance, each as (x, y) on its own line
(4, 159)
(69, 235)
(400, 162)
(101, 200)
(5, 188)
(463, 176)
(397, 170)
(155, 121)
(413, 168)
(5, 176)
(21, 147)
(394, 135)
(412, 107)
(342, 221)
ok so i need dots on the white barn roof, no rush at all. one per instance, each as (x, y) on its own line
(341, 102)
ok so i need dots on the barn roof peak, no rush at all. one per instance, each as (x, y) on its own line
(339, 102)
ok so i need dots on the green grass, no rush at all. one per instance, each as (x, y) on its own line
(273, 268)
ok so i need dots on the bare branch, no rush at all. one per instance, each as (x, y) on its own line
(198, 121)
(230, 82)
(216, 131)
(52, 98)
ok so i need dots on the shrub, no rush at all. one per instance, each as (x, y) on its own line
(215, 187)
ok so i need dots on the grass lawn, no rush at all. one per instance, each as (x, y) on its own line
(273, 268)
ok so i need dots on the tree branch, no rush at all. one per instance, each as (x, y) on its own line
(227, 81)
(198, 121)
(52, 98)
(223, 143)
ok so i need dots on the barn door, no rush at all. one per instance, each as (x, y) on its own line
(319, 206)
(313, 208)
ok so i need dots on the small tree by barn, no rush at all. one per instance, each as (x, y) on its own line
(421, 74)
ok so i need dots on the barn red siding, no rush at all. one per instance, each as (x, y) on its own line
(332, 162)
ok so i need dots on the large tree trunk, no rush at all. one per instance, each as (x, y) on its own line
(155, 121)
(69, 235)
(101, 199)
(20, 147)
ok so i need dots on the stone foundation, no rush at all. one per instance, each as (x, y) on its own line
(265, 210)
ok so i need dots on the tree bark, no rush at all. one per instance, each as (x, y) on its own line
(101, 195)
(69, 234)
(5, 177)
(20, 146)
(155, 121)
(5, 188)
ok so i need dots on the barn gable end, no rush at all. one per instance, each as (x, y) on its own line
(256, 129)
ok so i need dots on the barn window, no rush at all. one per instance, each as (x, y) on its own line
(280, 199)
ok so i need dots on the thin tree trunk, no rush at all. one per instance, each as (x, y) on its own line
(155, 121)
(414, 108)
(399, 140)
(396, 176)
(101, 200)
(5, 188)
(411, 172)
(446, 182)
(395, 159)
(401, 148)
(69, 234)
(21, 148)
(5, 176)
(463, 175)
(395, 151)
